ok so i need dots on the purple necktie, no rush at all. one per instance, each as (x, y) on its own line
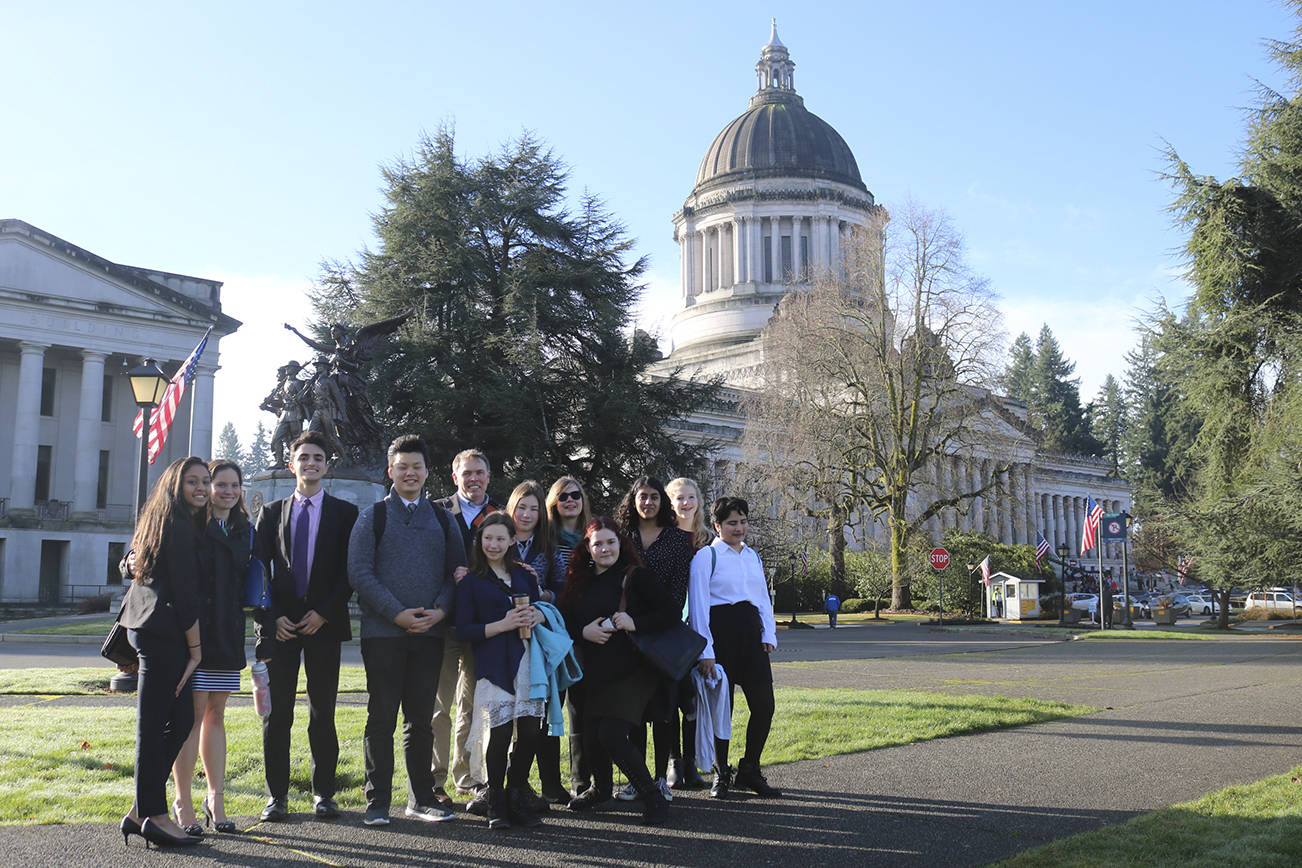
(302, 528)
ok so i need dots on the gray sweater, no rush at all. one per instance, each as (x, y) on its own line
(412, 567)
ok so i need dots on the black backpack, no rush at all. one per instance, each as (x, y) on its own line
(381, 517)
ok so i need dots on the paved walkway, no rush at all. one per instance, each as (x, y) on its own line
(1179, 719)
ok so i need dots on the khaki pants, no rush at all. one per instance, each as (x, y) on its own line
(456, 689)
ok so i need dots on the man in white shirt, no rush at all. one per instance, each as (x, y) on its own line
(728, 604)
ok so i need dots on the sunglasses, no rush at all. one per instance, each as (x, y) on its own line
(570, 495)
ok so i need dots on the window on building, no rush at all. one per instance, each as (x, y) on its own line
(785, 253)
(116, 550)
(47, 391)
(54, 567)
(44, 455)
(101, 488)
(804, 257)
(768, 259)
(106, 403)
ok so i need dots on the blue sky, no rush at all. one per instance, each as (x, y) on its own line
(242, 141)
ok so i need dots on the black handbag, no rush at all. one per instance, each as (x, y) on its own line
(116, 648)
(671, 651)
(257, 585)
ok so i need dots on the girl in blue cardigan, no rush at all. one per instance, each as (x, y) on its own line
(488, 618)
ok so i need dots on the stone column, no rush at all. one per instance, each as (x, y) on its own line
(685, 264)
(797, 253)
(988, 506)
(1045, 525)
(703, 240)
(26, 417)
(201, 405)
(1006, 510)
(85, 475)
(1031, 504)
(775, 252)
(743, 249)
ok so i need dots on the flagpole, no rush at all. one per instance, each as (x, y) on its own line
(194, 387)
(1098, 549)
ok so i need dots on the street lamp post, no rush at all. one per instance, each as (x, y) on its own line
(1062, 583)
(148, 384)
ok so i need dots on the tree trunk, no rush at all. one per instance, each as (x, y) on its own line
(836, 548)
(901, 596)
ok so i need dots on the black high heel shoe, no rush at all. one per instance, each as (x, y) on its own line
(129, 827)
(194, 830)
(155, 835)
(226, 827)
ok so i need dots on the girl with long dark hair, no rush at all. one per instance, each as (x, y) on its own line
(647, 518)
(161, 614)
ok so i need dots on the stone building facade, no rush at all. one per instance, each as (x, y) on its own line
(71, 323)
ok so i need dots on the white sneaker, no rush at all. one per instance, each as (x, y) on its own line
(664, 789)
(628, 794)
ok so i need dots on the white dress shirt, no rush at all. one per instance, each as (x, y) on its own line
(737, 577)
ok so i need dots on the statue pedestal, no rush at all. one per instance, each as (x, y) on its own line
(360, 490)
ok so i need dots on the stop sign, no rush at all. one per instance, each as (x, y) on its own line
(939, 558)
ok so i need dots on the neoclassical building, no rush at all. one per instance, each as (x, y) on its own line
(71, 323)
(776, 199)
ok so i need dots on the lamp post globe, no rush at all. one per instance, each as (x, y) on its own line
(148, 385)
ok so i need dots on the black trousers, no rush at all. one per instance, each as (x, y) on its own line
(320, 660)
(401, 672)
(515, 773)
(163, 719)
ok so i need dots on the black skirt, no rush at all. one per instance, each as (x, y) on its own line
(738, 643)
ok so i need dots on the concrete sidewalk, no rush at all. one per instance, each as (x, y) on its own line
(1180, 719)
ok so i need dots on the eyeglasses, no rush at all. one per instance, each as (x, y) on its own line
(570, 495)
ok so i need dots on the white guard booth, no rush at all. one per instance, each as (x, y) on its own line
(1015, 599)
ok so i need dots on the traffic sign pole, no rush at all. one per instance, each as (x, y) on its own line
(939, 559)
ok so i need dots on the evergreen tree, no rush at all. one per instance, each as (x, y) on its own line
(228, 445)
(1055, 405)
(518, 339)
(1018, 380)
(258, 457)
(1108, 422)
(1238, 357)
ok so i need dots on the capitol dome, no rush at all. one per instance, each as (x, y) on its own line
(778, 137)
(777, 201)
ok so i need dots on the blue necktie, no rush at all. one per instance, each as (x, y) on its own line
(302, 527)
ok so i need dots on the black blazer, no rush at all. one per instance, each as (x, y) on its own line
(328, 590)
(221, 621)
(166, 603)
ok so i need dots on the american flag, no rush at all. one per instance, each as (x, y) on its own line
(985, 571)
(166, 410)
(1041, 549)
(1093, 514)
(1182, 565)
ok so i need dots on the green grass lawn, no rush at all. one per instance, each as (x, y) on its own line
(65, 763)
(1252, 825)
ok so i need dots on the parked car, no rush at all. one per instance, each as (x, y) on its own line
(1272, 600)
(1084, 602)
(1200, 604)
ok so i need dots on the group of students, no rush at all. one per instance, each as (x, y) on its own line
(501, 614)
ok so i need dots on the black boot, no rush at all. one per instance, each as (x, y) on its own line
(498, 818)
(683, 774)
(580, 778)
(722, 781)
(750, 777)
(519, 808)
(591, 799)
(655, 809)
(549, 769)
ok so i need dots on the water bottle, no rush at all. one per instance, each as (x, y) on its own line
(261, 689)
